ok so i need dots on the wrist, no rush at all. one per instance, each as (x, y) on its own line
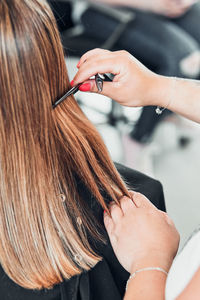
(155, 88)
(138, 286)
(161, 90)
(153, 261)
(150, 271)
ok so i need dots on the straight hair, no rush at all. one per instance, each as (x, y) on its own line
(43, 219)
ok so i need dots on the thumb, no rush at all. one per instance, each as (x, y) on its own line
(110, 89)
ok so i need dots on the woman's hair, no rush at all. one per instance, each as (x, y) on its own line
(43, 154)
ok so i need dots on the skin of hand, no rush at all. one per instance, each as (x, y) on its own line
(140, 234)
(169, 8)
(132, 84)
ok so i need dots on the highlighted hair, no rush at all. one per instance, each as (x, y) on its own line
(42, 152)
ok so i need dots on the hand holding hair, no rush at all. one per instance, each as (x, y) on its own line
(140, 234)
(129, 73)
(135, 85)
(145, 242)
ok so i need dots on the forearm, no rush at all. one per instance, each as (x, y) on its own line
(146, 285)
(182, 96)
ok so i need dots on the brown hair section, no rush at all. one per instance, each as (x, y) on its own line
(41, 150)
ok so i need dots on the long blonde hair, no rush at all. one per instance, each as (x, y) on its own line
(42, 152)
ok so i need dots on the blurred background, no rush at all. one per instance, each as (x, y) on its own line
(164, 35)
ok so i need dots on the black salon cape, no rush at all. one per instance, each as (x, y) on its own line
(106, 281)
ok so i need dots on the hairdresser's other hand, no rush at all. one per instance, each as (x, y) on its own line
(169, 8)
(140, 234)
(132, 84)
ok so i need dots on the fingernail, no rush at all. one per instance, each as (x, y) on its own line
(72, 82)
(78, 64)
(85, 87)
(104, 211)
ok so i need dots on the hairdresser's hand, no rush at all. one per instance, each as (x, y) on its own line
(141, 235)
(133, 82)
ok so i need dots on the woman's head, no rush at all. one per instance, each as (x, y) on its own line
(42, 153)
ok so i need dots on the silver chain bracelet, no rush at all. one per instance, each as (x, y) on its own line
(145, 269)
(159, 110)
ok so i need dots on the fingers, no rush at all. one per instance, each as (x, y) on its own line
(175, 13)
(93, 66)
(116, 215)
(141, 201)
(109, 88)
(100, 61)
(115, 212)
(127, 205)
(125, 68)
(177, 9)
(92, 53)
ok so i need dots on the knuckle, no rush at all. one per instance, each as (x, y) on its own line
(123, 52)
(138, 198)
(97, 49)
(112, 206)
(94, 64)
(114, 209)
(124, 199)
